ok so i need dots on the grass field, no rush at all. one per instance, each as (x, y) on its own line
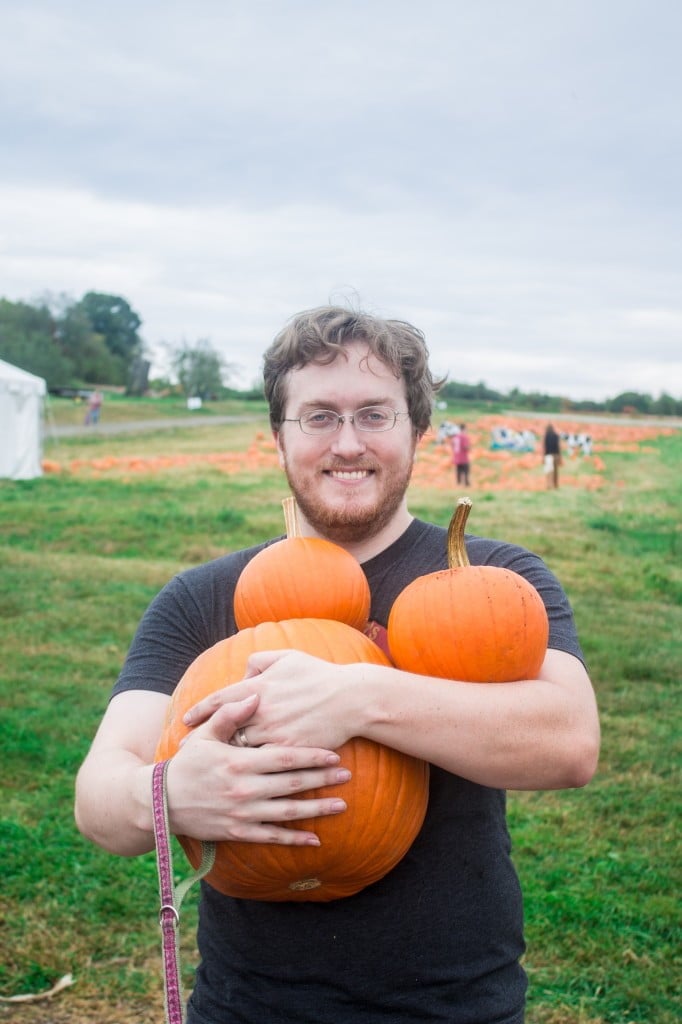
(86, 546)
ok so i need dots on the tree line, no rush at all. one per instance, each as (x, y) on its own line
(96, 341)
(71, 344)
(630, 402)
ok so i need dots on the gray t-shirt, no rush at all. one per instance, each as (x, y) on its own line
(440, 937)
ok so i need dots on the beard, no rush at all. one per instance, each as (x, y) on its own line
(355, 519)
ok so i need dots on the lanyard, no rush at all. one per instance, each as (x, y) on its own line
(171, 896)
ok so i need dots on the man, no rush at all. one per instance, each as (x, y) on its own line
(440, 937)
(460, 444)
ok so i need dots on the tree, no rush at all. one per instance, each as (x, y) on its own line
(28, 340)
(138, 376)
(666, 405)
(87, 350)
(630, 400)
(118, 324)
(200, 369)
(93, 341)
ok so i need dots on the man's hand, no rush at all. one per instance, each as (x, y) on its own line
(216, 791)
(219, 791)
(302, 700)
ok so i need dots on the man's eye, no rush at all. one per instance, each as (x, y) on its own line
(321, 418)
(373, 416)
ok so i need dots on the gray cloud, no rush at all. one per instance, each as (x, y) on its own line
(507, 175)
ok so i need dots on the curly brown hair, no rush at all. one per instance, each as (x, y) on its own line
(319, 336)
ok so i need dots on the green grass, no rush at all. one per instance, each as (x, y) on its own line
(82, 556)
(120, 408)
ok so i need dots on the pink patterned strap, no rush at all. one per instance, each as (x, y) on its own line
(171, 895)
(169, 916)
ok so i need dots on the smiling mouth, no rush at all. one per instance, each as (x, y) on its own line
(349, 474)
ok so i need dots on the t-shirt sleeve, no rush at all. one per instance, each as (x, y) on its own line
(190, 614)
(562, 631)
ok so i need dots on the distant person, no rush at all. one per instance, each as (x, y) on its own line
(94, 408)
(552, 451)
(460, 443)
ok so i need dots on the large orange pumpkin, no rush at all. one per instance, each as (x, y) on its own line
(386, 797)
(299, 578)
(477, 623)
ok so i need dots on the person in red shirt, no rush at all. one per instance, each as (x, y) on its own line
(94, 408)
(460, 444)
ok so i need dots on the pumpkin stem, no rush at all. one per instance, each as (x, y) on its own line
(457, 552)
(291, 517)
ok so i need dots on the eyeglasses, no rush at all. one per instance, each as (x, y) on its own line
(373, 418)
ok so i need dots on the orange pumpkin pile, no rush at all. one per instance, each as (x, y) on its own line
(388, 792)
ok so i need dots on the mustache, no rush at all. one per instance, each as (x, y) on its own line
(349, 467)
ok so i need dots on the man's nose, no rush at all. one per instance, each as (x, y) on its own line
(348, 438)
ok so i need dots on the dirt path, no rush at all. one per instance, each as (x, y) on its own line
(137, 426)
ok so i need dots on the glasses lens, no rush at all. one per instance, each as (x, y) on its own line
(320, 421)
(374, 418)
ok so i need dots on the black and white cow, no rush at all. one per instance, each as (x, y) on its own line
(445, 431)
(577, 442)
(507, 439)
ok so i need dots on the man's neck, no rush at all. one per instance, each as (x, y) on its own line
(367, 547)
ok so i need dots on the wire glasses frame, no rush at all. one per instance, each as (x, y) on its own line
(372, 418)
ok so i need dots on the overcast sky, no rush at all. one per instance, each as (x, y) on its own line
(506, 174)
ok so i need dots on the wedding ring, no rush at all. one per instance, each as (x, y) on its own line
(241, 738)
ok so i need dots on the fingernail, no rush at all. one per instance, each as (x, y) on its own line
(312, 841)
(332, 759)
(337, 806)
(343, 775)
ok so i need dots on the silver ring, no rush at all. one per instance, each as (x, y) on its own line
(241, 738)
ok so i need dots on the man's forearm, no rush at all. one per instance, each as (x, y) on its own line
(534, 734)
(113, 803)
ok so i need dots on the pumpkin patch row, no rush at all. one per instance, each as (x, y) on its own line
(494, 470)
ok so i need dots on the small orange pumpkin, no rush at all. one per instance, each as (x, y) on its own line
(386, 796)
(301, 577)
(477, 623)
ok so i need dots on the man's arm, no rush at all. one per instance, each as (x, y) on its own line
(215, 791)
(534, 734)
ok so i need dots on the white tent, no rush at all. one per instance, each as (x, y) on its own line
(21, 422)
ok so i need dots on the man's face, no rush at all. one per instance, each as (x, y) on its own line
(349, 484)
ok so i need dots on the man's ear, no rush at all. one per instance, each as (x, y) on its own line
(418, 434)
(280, 449)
